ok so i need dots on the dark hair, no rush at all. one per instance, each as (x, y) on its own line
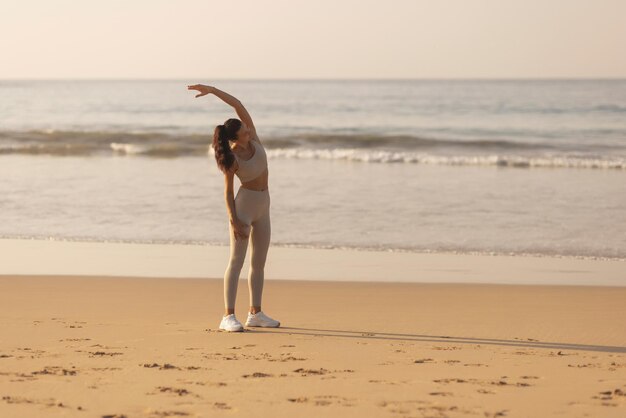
(223, 133)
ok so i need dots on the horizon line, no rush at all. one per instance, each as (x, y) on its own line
(318, 79)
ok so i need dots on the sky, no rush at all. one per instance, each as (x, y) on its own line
(313, 39)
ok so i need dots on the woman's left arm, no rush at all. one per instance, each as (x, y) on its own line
(242, 112)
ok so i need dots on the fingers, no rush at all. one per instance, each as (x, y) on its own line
(240, 235)
(240, 232)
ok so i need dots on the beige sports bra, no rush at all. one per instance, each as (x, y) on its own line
(255, 166)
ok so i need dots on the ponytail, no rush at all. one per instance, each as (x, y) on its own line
(223, 153)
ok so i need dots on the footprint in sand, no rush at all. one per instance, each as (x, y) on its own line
(257, 374)
(16, 399)
(496, 414)
(30, 353)
(453, 380)
(324, 400)
(311, 372)
(500, 382)
(165, 366)
(450, 348)
(611, 395)
(614, 366)
(587, 365)
(421, 408)
(191, 382)
(287, 357)
(163, 414)
(176, 391)
(21, 400)
(561, 353)
(48, 370)
(525, 339)
(103, 354)
(440, 393)
(22, 376)
(386, 382)
(75, 339)
(55, 370)
(261, 356)
(525, 352)
(105, 347)
(320, 372)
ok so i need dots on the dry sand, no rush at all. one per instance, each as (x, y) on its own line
(140, 347)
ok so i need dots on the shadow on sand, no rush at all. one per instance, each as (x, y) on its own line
(439, 339)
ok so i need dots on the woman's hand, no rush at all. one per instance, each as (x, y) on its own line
(204, 90)
(240, 229)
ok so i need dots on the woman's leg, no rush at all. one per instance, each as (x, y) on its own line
(235, 264)
(260, 242)
(238, 249)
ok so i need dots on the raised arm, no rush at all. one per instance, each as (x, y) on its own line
(242, 112)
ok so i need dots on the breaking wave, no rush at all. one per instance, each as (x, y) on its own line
(357, 148)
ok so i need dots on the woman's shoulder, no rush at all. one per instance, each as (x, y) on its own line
(235, 153)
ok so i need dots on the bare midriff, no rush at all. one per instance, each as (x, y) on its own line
(258, 184)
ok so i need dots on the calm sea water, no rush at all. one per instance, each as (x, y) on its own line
(519, 167)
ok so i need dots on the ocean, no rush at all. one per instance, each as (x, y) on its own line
(465, 166)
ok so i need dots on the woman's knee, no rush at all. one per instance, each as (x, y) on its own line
(237, 258)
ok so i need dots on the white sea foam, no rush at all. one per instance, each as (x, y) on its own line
(381, 156)
(128, 148)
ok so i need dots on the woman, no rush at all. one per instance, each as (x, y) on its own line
(238, 150)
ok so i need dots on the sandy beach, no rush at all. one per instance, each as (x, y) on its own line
(432, 194)
(150, 347)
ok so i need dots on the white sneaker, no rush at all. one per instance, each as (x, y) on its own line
(259, 319)
(230, 323)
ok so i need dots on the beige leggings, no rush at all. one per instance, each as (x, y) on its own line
(252, 208)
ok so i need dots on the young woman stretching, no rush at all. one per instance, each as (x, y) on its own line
(238, 151)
